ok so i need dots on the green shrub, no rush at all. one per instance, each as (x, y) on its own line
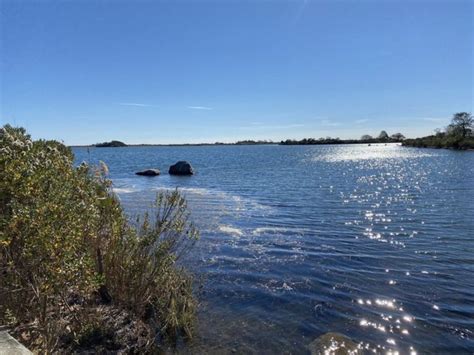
(63, 233)
(458, 135)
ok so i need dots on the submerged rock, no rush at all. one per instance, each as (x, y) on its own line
(148, 172)
(334, 344)
(181, 168)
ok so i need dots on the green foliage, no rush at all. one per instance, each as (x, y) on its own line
(63, 232)
(458, 135)
(141, 273)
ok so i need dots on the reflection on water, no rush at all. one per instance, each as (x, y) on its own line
(375, 242)
(358, 152)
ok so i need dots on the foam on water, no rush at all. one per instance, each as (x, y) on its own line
(231, 230)
(124, 190)
(279, 230)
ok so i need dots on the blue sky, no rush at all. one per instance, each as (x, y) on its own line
(202, 71)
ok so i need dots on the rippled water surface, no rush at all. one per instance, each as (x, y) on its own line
(375, 242)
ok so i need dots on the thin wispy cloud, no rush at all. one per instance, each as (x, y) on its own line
(299, 11)
(328, 123)
(136, 104)
(200, 108)
(364, 120)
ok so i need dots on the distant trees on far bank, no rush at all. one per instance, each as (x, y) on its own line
(462, 125)
(110, 144)
(459, 134)
(398, 137)
(383, 137)
(253, 142)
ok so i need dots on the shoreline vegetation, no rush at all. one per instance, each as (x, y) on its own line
(383, 137)
(115, 143)
(366, 139)
(459, 135)
(75, 275)
(110, 144)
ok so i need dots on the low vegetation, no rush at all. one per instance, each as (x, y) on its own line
(457, 135)
(74, 274)
(253, 142)
(383, 137)
(110, 144)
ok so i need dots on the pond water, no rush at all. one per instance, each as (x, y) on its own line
(375, 242)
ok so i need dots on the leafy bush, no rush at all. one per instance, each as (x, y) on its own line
(458, 135)
(63, 234)
(442, 141)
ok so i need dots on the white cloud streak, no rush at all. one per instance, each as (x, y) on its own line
(200, 108)
(328, 123)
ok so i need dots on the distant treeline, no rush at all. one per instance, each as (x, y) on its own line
(252, 142)
(110, 144)
(115, 143)
(457, 135)
(383, 137)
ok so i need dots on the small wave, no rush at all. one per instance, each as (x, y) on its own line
(124, 190)
(278, 230)
(231, 230)
(196, 190)
(276, 286)
(238, 203)
(193, 190)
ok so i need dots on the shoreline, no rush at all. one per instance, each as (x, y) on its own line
(435, 147)
(172, 145)
(227, 144)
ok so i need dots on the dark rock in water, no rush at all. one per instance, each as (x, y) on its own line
(334, 344)
(148, 172)
(181, 168)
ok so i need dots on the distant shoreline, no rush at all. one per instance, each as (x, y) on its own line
(304, 141)
(174, 145)
(441, 141)
(223, 144)
(413, 145)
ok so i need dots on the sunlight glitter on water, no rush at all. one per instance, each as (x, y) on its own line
(374, 152)
(396, 322)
